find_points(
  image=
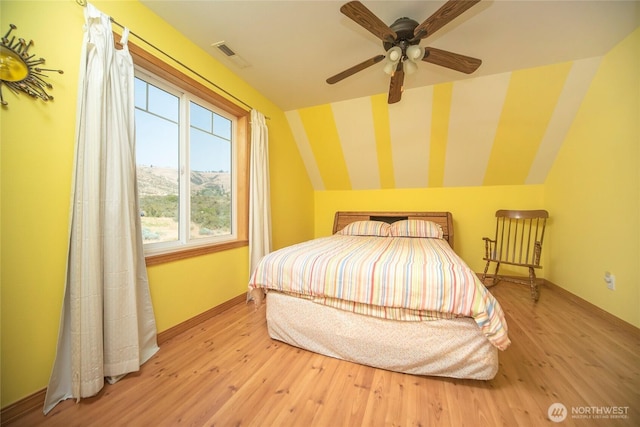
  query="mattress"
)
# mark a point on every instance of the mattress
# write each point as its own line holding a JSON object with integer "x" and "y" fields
{"x": 445, "y": 347}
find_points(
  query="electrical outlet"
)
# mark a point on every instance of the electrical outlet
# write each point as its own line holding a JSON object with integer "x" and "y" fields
{"x": 610, "y": 280}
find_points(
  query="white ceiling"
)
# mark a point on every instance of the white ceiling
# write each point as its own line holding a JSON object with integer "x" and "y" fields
{"x": 293, "y": 46}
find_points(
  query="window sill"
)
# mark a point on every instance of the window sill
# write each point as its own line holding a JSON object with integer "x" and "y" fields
{"x": 193, "y": 252}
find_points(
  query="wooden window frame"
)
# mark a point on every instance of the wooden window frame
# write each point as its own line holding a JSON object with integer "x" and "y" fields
{"x": 150, "y": 63}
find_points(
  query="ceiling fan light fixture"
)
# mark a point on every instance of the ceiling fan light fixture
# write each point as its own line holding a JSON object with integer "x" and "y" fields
{"x": 415, "y": 52}
{"x": 409, "y": 67}
{"x": 394, "y": 54}
{"x": 389, "y": 67}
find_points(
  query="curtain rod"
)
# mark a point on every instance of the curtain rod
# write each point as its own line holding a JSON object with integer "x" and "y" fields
{"x": 83, "y": 3}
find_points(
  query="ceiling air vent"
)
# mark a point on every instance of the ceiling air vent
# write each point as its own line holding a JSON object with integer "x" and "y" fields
{"x": 231, "y": 55}
{"x": 225, "y": 49}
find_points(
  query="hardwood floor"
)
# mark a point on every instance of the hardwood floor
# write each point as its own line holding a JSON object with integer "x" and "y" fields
{"x": 228, "y": 372}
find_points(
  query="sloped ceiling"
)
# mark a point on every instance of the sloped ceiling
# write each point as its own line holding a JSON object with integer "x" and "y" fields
{"x": 292, "y": 47}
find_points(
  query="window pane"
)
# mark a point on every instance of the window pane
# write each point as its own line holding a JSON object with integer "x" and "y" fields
{"x": 222, "y": 127}
{"x": 157, "y": 154}
{"x": 210, "y": 165}
{"x": 163, "y": 104}
{"x": 201, "y": 118}
{"x": 140, "y": 93}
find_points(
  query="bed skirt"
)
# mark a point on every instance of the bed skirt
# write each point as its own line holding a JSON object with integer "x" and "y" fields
{"x": 453, "y": 348}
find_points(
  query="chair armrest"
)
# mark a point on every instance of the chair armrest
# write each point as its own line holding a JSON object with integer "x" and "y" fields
{"x": 489, "y": 248}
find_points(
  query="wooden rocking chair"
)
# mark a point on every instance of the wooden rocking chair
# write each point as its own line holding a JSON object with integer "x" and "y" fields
{"x": 518, "y": 241}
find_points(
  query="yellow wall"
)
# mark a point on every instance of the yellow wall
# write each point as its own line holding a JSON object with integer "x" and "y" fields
{"x": 593, "y": 190}
{"x": 36, "y": 168}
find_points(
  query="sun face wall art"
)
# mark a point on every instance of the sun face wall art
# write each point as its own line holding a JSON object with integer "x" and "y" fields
{"x": 19, "y": 70}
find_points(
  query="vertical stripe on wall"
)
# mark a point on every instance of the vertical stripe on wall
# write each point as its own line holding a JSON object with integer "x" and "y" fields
{"x": 354, "y": 123}
{"x": 475, "y": 109}
{"x": 528, "y": 107}
{"x": 573, "y": 92}
{"x": 410, "y": 129}
{"x": 320, "y": 128}
{"x": 300, "y": 136}
{"x": 382, "y": 130}
{"x": 439, "y": 133}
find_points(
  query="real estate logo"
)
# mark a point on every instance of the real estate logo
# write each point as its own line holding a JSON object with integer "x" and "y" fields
{"x": 557, "y": 412}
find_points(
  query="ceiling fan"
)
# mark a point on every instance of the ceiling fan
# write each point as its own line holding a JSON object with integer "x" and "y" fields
{"x": 401, "y": 42}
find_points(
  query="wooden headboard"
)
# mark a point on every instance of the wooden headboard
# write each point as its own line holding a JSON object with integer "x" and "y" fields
{"x": 342, "y": 219}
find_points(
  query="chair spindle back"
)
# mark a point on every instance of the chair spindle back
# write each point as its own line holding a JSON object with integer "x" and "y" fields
{"x": 519, "y": 236}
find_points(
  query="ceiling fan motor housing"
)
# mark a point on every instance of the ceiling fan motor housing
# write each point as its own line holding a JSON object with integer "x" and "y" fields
{"x": 403, "y": 27}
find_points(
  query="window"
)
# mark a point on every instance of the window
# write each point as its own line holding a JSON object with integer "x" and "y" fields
{"x": 191, "y": 155}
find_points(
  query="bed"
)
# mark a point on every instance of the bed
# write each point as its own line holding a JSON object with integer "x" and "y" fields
{"x": 385, "y": 290}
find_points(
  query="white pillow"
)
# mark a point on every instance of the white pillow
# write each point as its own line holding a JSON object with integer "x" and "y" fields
{"x": 416, "y": 228}
{"x": 366, "y": 228}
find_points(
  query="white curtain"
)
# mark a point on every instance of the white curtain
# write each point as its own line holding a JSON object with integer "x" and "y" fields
{"x": 107, "y": 326}
{"x": 259, "y": 199}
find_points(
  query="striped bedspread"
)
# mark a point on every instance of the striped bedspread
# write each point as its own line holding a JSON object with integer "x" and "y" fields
{"x": 391, "y": 277}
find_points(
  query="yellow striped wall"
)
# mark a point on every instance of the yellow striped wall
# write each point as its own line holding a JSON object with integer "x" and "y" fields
{"x": 503, "y": 129}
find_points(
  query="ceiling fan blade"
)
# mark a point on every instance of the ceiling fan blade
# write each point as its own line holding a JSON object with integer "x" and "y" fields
{"x": 367, "y": 20}
{"x": 395, "y": 87}
{"x": 351, "y": 71}
{"x": 454, "y": 61}
{"x": 447, "y": 13}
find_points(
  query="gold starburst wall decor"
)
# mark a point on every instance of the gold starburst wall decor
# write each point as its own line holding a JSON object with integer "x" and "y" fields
{"x": 20, "y": 71}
